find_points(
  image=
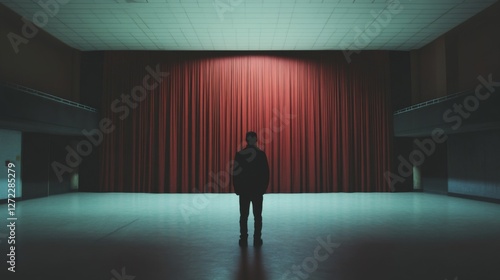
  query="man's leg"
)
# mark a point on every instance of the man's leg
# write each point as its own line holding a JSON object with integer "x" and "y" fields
{"x": 257, "y": 215}
{"x": 244, "y": 210}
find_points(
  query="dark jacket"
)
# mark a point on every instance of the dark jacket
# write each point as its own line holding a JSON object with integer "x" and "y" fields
{"x": 250, "y": 172}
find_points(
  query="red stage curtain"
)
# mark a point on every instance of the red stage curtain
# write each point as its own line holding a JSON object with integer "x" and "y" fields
{"x": 325, "y": 124}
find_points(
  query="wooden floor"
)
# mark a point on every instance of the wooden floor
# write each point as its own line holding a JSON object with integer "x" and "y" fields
{"x": 306, "y": 236}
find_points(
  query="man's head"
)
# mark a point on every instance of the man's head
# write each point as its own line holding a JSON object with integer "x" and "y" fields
{"x": 251, "y": 138}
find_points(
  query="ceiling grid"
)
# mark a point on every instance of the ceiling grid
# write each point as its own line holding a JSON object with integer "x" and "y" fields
{"x": 251, "y": 24}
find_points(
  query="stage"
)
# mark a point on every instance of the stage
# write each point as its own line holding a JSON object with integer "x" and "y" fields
{"x": 306, "y": 236}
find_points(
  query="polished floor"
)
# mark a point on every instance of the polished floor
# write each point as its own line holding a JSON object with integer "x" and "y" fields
{"x": 129, "y": 236}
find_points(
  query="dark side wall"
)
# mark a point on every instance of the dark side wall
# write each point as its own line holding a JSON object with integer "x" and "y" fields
{"x": 400, "y": 65}
{"x": 39, "y": 151}
{"x": 452, "y": 63}
{"x": 91, "y": 90}
{"x": 429, "y": 71}
{"x": 46, "y": 64}
{"x": 474, "y": 164}
{"x": 43, "y": 62}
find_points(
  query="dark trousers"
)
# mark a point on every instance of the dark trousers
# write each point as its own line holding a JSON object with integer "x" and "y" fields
{"x": 256, "y": 201}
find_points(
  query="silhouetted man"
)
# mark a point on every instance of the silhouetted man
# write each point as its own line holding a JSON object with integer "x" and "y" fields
{"x": 250, "y": 180}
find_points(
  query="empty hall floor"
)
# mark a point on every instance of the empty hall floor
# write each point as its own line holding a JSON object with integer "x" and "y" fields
{"x": 137, "y": 236}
